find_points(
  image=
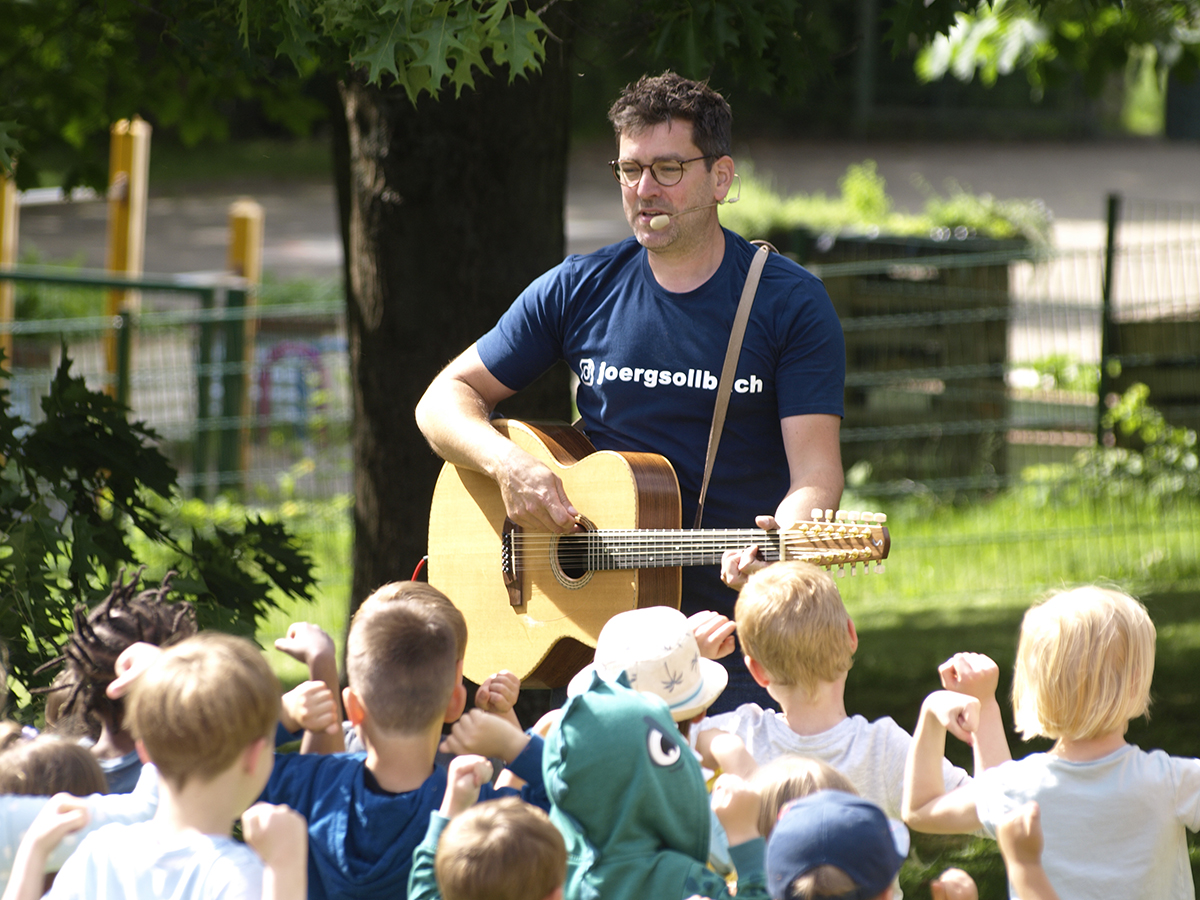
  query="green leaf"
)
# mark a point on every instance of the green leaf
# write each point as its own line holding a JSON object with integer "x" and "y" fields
{"x": 519, "y": 44}
{"x": 439, "y": 41}
{"x": 379, "y": 55}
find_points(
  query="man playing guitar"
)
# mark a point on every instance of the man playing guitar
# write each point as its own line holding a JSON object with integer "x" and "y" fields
{"x": 644, "y": 324}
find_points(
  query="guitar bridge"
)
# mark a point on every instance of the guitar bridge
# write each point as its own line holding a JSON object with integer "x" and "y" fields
{"x": 509, "y": 566}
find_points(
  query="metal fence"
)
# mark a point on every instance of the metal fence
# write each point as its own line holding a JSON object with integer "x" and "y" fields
{"x": 977, "y": 380}
{"x": 250, "y": 399}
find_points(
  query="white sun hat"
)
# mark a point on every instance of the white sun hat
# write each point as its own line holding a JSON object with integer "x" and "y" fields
{"x": 657, "y": 651}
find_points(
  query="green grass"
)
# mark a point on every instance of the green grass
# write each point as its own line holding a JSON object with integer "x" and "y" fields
{"x": 323, "y": 527}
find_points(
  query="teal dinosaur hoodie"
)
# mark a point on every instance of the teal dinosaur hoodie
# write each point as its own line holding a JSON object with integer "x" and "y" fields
{"x": 628, "y": 796}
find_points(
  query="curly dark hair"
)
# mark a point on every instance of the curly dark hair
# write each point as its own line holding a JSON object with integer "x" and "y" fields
{"x": 90, "y": 653}
{"x": 652, "y": 100}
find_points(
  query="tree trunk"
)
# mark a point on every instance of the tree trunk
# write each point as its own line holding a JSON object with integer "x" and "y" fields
{"x": 449, "y": 209}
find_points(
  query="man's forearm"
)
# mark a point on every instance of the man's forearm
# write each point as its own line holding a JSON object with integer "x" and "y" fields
{"x": 822, "y": 489}
{"x": 455, "y": 420}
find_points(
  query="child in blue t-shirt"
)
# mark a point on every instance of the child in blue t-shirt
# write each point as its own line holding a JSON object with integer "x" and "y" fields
{"x": 368, "y": 812}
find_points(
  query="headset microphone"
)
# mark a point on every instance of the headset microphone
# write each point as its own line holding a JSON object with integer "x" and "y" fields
{"x": 662, "y": 220}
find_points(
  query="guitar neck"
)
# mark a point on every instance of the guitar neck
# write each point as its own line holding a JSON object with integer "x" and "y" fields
{"x": 821, "y": 543}
{"x": 655, "y": 548}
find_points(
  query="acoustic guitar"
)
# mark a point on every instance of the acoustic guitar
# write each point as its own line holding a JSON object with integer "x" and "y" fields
{"x": 535, "y": 601}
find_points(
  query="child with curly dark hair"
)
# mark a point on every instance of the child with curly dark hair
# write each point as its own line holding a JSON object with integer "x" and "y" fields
{"x": 126, "y": 616}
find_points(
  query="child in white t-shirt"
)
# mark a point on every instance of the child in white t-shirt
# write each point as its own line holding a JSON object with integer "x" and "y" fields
{"x": 204, "y": 711}
{"x": 1114, "y": 815}
{"x": 799, "y": 644}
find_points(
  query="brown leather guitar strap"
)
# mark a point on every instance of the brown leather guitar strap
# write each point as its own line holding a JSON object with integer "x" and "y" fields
{"x": 725, "y": 386}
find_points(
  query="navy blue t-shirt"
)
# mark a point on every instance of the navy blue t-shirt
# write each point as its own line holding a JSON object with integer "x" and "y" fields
{"x": 649, "y": 360}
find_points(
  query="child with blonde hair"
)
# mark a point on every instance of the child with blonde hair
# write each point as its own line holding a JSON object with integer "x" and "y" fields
{"x": 789, "y": 778}
{"x": 799, "y": 644}
{"x": 1114, "y": 815}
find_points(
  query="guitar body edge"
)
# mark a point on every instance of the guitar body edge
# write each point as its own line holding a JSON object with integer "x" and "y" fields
{"x": 553, "y": 634}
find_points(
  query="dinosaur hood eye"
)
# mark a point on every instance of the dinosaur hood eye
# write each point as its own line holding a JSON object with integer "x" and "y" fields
{"x": 664, "y": 749}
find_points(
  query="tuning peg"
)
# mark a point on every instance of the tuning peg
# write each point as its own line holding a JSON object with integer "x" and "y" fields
{"x": 880, "y": 518}
{"x": 841, "y": 572}
{"x": 829, "y": 515}
{"x": 816, "y": 515}
{"x": 853, "y": 570}
{"x": 853, "y": 515}
{"x": 841, "y": 515}
{"x": 878, "y": 568}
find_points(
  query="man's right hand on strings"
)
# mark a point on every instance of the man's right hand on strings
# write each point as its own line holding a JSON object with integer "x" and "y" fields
{"x": 534, "y": 496}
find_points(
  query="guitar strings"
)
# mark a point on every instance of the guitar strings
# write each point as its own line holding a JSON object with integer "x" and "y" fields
{"x": 626, "y": 548}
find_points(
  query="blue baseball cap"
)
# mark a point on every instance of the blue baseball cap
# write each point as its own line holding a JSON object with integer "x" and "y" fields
{"x": 833, "y": 828}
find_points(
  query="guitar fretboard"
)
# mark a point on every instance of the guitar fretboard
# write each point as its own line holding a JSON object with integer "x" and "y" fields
{"x": 649, "y": 549}
{"x": 824, "y": 543}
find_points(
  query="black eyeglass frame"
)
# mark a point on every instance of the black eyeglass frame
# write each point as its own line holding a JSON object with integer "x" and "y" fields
{"x": 643, "y": 167}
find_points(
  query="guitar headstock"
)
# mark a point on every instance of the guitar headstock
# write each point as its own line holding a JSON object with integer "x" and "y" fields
{"x": 846, "y": 538}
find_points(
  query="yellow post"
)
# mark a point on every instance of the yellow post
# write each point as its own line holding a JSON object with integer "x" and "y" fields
{"x": 245, "y": 260}
{"x": 8, "y": 258}
{"x": 246, "y": 240}
{"x": 128, "y": 186}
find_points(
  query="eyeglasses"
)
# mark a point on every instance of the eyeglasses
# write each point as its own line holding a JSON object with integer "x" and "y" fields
{"x": 666, "y": 172}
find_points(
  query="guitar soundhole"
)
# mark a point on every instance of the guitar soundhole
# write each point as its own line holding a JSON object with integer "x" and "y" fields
{"x": 571, "y": 556}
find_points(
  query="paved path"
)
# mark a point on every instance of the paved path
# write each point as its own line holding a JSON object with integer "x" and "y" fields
{"x": 188, "y": 233}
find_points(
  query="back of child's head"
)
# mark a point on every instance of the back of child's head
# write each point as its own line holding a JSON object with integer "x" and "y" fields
{"x": 501, "y": 849}
{"x": 402, "y": 657}
{"x": 423, "y": 592}
{"x": 791, "y": 620}
{"x": 1085, "y": 660}
{"x": 48, "y": 764}
{"x": 124, "y": 617}
{"x": 833, "y": 844}
{"x": 790, "y": 777}
{"x": 201, "y": 704}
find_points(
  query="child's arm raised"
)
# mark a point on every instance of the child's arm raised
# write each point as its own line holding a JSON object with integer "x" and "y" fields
{"x": 61, "y": 815}
{"x": 133, "y": 661}
{"x": 482, "y": 733}
{"x": 978, "y": 676}
{"x": 310, "y": 706}
{"x": 736, "y": 805}
{"x": 1021, "y": 841}
{"x": 279, "y": 835}
{"x": 714, "y": 633}
{"x": 498, "y": 695}
{"x": 309, "y": 644}
{"x": 464, "y": 777}
{"x": 926, "y": 805}
{"x": 720, "y": 750}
